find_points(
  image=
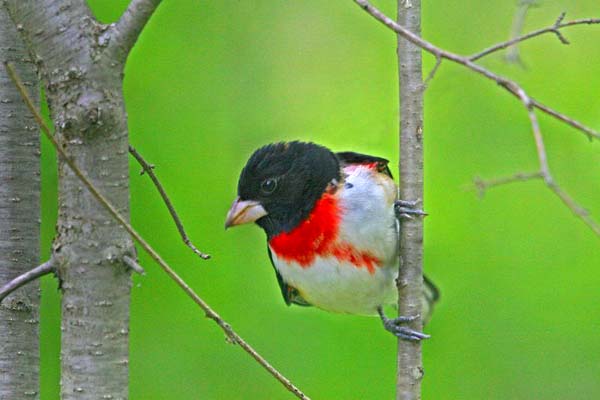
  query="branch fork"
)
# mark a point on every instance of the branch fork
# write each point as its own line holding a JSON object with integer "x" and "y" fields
{"x": 515, "y": 89}
{"x": 557, "y": 26}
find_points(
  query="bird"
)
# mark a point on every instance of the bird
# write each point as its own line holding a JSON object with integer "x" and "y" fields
{"x": 332, "y": 223}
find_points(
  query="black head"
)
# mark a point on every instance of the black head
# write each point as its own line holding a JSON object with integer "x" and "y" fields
{"x": 280, "y": 184}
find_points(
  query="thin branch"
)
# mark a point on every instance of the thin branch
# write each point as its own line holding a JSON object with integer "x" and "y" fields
{"x": 129, "y": 27}
{"x": 27, "y": 277}
{"x": 482, "y": 185}
{"x": 149, "y": 169}
{"x": 511, "y": 86}
{"x": 208, "y": 311}
{"x": 544, "y": 172}
{"x": 577, "y": 210}
{"x": 537, "y": 134}
{"x": 591, "y": 134}
{"x": 131, "y": 263}
{"x": 551, "y": 29}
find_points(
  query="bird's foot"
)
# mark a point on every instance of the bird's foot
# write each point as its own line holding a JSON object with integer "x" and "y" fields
{"x": 406, "y": 209}
{"x": 395, "y": 327}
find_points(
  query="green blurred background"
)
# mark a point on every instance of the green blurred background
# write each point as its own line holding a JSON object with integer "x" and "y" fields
{"x": 210, "y": 81}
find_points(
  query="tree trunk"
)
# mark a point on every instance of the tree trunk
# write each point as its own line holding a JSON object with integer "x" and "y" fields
{"x": 82, "y": 74}
{"x": 19, "y": 222}
{"x": 410, "y": 279}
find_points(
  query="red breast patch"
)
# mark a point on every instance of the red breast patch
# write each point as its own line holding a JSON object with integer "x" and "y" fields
{"x": 317, "y": 236}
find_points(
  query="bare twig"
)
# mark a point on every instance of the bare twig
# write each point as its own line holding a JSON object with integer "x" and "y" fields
{"x": 551, "y": 29}
{"x": 579, "y": 211}
{"x": 127, "y": 29}
{"x": 482, "y": 185}
{"x": 511, "y": 86}
{"x": 208, "y": 311}
{"x": 544, "y": 172}
{"x": 27, "y": 277}
{"x": 149, "y": 169}
{"x": 591, "y": 134}
{"x": 133, "y": 264}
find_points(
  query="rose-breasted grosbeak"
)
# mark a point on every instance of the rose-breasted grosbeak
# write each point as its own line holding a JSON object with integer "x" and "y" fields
{"x": 332, "y": 228}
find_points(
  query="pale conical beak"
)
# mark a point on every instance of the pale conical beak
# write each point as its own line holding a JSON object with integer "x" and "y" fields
{"x": 243, "y": 212}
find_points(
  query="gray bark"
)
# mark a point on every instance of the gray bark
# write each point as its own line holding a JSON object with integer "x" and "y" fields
{"x": 19, "y": 222}
{"x": 82, "y": 73}
{"x": 410, "y": 279}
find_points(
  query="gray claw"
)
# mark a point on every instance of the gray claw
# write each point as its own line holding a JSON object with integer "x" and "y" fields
{"x": 408, "y": 203}
{"x": 395, "y": 327}
{"x": 405, "y": 333}
{"x": 406, "y": 209}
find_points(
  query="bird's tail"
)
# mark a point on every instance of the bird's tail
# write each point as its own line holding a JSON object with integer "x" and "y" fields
{"x": 431, "y": 295}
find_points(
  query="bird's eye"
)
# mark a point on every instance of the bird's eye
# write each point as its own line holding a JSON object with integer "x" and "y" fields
{"x": 268, "y": 186}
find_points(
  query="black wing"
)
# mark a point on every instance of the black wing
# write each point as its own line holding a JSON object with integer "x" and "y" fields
{"x": 433, "y": 293}
{"x": 350, "y": 157}
{"x": 290, "y": 294}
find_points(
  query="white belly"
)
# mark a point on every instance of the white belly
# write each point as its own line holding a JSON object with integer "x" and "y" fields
{"x": 341, "y": 286}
